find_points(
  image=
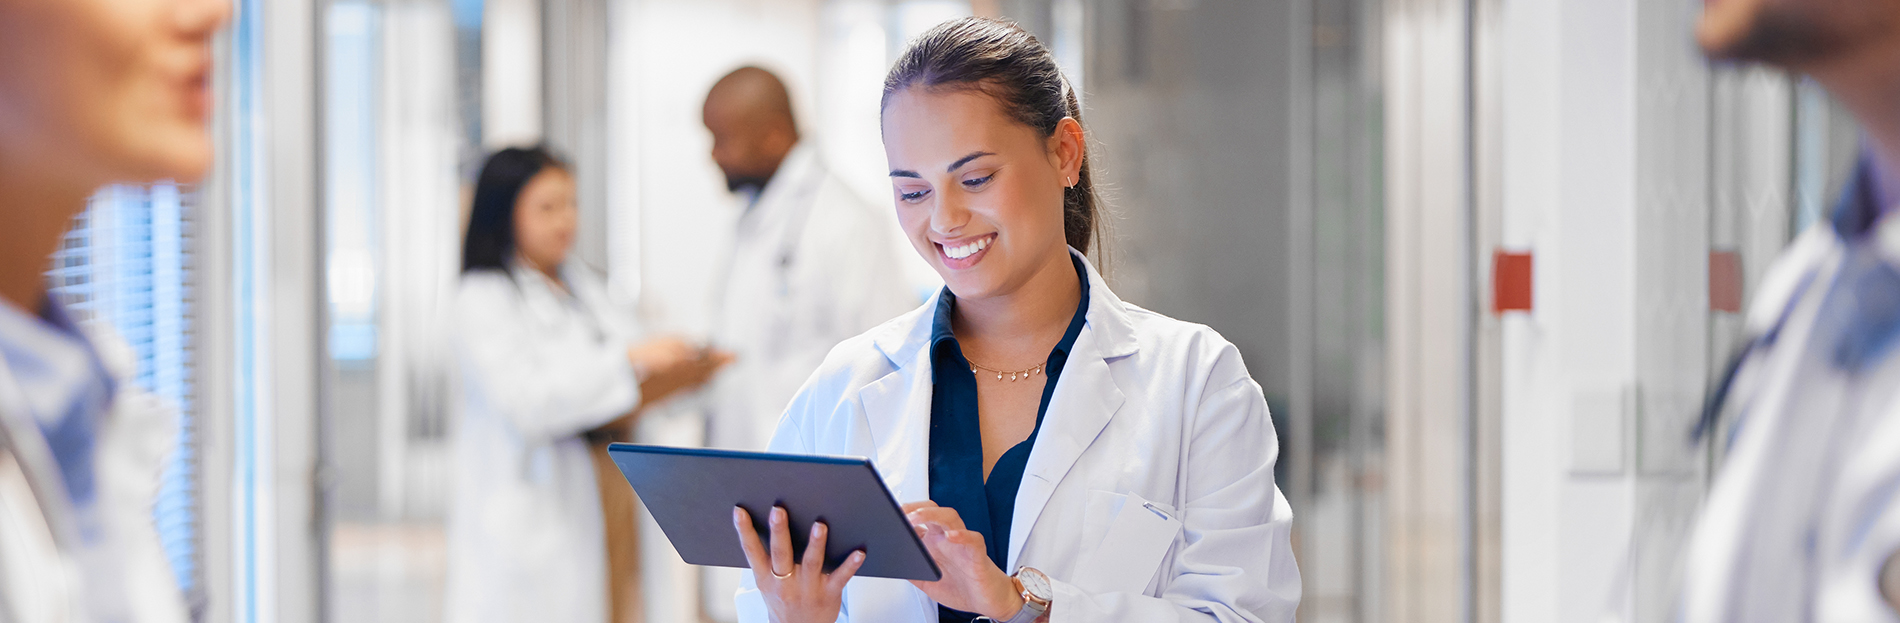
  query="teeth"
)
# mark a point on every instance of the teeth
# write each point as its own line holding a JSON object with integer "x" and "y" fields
{"x": 957, "y": 253}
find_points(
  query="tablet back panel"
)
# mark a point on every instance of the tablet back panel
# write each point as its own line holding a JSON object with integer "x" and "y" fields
{"x": 691, "y": 491}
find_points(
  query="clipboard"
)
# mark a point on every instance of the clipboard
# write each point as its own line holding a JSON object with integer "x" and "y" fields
{"x": 691, "y": 491}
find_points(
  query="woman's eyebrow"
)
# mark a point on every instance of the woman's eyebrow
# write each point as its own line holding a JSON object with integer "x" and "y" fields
{"x": 966, "y": 160}
{"x": 952, "y": 169}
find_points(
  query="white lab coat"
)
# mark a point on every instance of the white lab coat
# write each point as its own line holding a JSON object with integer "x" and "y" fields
{"x": 812, "y": 264}
{"x": 1806, "y": 506}
{"x": 1148, "y": 410}
{"x": 48, "y": 571}
{"x": 526, "y": 540}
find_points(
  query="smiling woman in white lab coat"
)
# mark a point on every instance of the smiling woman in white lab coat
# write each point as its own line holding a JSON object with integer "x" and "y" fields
{"x": 546, "y": 359}
{"x": 1066, "y": 456}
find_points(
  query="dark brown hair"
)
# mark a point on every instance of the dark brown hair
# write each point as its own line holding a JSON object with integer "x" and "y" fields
{"x": 491, "y": 220}
{"x": 1004, "y": 61}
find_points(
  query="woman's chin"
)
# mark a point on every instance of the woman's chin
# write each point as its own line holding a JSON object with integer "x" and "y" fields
{"x": 970, "y": 287}
{"x": 181, "y": 155}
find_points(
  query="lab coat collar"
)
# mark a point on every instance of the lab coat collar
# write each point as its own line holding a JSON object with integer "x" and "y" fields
{"x": 525, "y": 275}
{"x": 522, "y": 273}
{"x": 1086, "y": 398}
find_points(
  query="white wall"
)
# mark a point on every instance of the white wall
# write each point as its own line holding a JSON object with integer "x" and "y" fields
{"x": 511, "y": 73}
{"x": 1569, "y": 167}
{"x": 1606, "y": 178}
{"x": 671, "y": 212}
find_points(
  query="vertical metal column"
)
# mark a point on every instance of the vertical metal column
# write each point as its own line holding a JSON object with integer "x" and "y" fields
{"x": 1430, "y": 304}
{"x": 574, "y": 110}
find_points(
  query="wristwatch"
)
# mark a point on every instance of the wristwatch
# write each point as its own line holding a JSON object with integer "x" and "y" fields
{"x": 1036, "y": 595}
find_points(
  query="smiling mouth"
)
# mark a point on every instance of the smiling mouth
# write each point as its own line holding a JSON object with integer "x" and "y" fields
{"x": 966, "y": 250}
{"x": 196, "y": 89}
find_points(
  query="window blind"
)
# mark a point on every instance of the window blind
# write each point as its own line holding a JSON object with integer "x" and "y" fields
{"x": 126, "y": 262}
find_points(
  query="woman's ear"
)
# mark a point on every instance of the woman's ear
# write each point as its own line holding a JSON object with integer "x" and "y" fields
{"x": 1069, "y": 146}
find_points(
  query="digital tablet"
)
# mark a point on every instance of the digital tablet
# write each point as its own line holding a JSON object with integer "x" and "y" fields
{"x": 691, "y": 491}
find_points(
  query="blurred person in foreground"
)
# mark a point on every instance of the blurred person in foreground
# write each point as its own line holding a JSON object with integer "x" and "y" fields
{"x": 547, "y": 359}
{"x": 1803, "y": 522}
{"x": 812, "y": 263}
{"x": 92, "y": 92}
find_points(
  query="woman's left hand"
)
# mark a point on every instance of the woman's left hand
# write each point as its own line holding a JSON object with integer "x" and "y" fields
{"x": 971, "y": 582}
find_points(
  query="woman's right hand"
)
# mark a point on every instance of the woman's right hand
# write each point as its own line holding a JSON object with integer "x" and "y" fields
{"x": 671, "y": 365}
{"x": 803, "y": 593}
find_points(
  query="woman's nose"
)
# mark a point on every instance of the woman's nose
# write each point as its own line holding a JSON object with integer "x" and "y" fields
{"x": 948, "y": 216}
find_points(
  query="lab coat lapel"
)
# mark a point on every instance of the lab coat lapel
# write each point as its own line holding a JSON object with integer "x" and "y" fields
{"x": 897, "y": 413}
{"x": 1086, "y": 398}
{"x": 897, "y": 407}
{"x": 893, "y": 406}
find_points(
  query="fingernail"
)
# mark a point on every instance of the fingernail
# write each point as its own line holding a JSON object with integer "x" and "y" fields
{"x": 778, "y": 515}
{"x": 818, "y": 529}
{"x": 738, "y": 514}
{"x": 857, "y": 556}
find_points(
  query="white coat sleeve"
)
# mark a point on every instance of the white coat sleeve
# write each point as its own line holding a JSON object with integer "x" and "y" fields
{"x": 1234, "y": 559}
{"x": 544, "y": 390}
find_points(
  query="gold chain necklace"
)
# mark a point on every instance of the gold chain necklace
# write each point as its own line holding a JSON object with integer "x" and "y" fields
{"x": 1013, "y": 376}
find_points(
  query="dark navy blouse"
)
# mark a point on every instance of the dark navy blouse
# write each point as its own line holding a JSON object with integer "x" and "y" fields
{"x": 956, "y": 439}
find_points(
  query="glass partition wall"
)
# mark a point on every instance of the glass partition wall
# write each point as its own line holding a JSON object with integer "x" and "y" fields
{"x": 391, "y": 149}
{"x": 1242, "y": 143}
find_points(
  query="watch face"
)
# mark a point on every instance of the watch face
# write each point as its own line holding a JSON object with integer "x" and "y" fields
{"x": 1035, "y": 583}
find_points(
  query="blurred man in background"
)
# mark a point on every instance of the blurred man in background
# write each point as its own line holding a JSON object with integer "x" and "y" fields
{"x": 811, "y": 263}
{"x": 1803, "y": 522}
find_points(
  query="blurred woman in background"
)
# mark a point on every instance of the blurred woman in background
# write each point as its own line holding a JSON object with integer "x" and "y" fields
{"x": 547, "y": 358}
{"x": 92, "y": 92}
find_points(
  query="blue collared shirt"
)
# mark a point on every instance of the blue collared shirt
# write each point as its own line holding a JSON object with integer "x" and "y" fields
{"x": 956, "y": 437}
{"x": 1865, "y": 296}
{"x": 64, "y": 386}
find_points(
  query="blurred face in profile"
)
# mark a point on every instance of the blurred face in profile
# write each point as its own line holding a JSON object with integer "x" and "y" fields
{"x": 100, "y": 91}
{"x": 747, "y": 145}
{"x": 978, "y": 193}
{"x": 545, "y": 218}
{"x": 1795, "y": 34}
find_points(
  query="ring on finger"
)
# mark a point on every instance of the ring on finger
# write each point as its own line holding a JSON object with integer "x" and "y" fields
{"x": 786, "y": 575}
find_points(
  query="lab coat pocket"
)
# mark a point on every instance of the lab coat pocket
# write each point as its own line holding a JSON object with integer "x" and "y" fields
{"x": 1130, "y": 550}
